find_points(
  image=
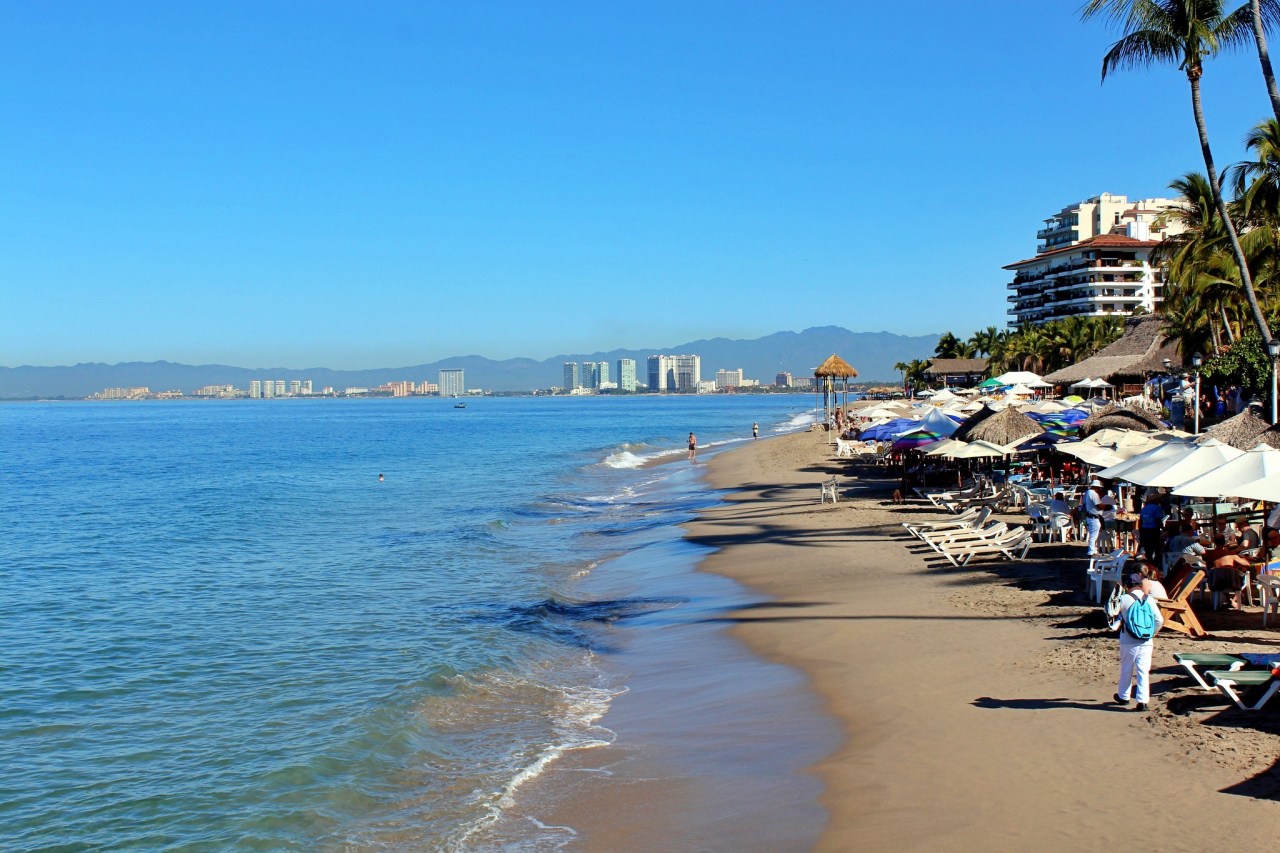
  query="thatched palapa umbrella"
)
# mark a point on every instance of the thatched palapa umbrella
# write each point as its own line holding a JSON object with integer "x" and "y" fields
{"x": 825, "y": 376}
{"x": 1112, "y": 416}
{"x": 1243, "y": 432}
{"x": 1004, "y": 427}
{"x": 962, "y": 432}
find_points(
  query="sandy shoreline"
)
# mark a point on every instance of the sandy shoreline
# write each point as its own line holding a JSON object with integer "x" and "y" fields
{"x": 975, "y": 701}
{"x": 973, "y": 704}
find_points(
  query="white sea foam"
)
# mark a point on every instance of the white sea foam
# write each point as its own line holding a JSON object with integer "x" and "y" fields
{"x": 574, "y": 721}
{"x": 799, "y": 421}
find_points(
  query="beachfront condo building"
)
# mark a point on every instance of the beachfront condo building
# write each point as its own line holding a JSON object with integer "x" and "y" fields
{"x": 674, "y": 373}
{"x": 627, "y": 374}
{"x": 783, "y": 380}
{"x": 1093, "y": 259}
{"x": 595, "y": 374}
{"x": 452, "y": 383}
{"x": 572, "y": 375}
{"x": 726, "y": 379}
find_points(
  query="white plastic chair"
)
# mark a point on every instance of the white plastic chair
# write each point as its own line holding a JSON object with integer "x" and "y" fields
{"x": 830, "y": 489}
{"x": 1105, "y": 570}
{"x": 1269, "y": 586}
{"x": 1061, "y": 523}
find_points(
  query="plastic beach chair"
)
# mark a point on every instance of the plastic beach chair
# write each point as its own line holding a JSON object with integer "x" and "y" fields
{"x": 830, "y": 489}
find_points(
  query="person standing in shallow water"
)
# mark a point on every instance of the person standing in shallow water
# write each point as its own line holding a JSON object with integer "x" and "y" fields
{"x": 693, "y": 448}
{"x": 755, "y": 430}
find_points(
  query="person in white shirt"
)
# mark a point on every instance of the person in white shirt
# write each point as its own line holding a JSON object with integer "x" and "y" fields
{"x": 1135, "y": 654}
{"x": 1092, "y": 505}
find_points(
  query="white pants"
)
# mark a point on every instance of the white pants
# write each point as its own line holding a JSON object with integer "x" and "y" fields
{"x": 1092, "y": 527}
{"x": 1135, "y": 660}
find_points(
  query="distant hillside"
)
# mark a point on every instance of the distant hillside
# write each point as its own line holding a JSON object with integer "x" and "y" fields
{"x": 872, "y": 353}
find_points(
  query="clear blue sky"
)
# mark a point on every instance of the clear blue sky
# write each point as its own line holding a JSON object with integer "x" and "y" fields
{"x": 358, "y": 185}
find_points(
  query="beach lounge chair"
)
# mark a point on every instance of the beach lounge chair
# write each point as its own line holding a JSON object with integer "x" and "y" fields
{"x": 936, "y": 539}
{"x": 1193, "y": 663}
{"x": 978, "y": 488}
{"x": 1012, "y": 543}
{"x": 970, "y": 519}
{"x": 1228, "y": 682}
{"x": 844, "y": 448}
{"x": 1176, "y": 610}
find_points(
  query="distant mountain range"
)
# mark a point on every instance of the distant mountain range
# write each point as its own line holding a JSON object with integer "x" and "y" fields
{"x": 872, "y": 353}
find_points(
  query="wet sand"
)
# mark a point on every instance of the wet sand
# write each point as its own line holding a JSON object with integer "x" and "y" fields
{"x": 974, "y": 704}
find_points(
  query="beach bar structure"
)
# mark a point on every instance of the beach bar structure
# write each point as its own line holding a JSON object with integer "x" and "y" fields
{"x": 957, "y": 372}
{"x": 825, "y": 377}
{"x": 1139, "y": 353}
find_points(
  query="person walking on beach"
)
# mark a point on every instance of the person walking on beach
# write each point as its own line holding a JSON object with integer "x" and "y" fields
{"x": 693, "y": 448}
{"x": 1137, "y": 638}
{"x": 755, "y": 430}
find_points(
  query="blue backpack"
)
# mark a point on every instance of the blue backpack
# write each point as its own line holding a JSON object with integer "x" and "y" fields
{"x": 1139, "y": 621}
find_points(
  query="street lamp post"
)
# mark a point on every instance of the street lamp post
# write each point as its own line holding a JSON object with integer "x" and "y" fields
{"x": 1273, "y": 350}
{"x": 1196, "y": 361}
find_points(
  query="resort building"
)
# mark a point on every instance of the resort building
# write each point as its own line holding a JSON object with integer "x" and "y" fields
{"x": 1093, "y": 259}
{"x": 255, "y": 389}
{"x": 451, "y": 383}
{"x": 783, "y": 380}
{"x": 626, "y": 374}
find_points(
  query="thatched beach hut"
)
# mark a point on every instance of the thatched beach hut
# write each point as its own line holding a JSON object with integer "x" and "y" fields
{"x": 1112, "y": 416}
{"x": 1128, "y": 361}
{"x": 970, "y": 423}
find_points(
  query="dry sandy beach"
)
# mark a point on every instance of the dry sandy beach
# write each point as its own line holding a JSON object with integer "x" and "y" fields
{"x": 974, "y": 704}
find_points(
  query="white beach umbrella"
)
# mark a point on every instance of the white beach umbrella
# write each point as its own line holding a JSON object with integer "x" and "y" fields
{"x": 976, "y": 450}
{"x": 1254, "y": 475}
{"x": 1022, "y": 377}
{"x": 941, "y": 447}
{"x": 1169, "y": 450}
{"x": 1174, "y": 471}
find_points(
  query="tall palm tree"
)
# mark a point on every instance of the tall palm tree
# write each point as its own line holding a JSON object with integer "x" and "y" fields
{"x": 1186, "y": 32}
{"x": 1203, "y": 277}
{"x": 949, "y": 346}
{"x": 1263, "y": 13}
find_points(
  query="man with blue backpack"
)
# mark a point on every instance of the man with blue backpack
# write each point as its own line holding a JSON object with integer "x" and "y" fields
{"x": 1138, "y": 621}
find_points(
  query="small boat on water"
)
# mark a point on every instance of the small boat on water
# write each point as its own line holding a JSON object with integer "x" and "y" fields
{"x": 459, "y": 405}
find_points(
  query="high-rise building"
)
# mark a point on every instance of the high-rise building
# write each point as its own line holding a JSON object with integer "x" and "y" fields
{"x": 306, "y": 387}
{"x": 688, "y": 372}
{"x": 1095, "y": 261}
{"x": 572, "y": 375}
{"x": 280, "y": 388}
{"x": 675, "y": 372}
{"x": 783, "y": 380}
{"x": 452, "y": 383}
{"x": 661, "y": 374}
{"x": 255, "y": 389}
{"x": 295, "y": 387}
{"x": 599, "y": 373}
{"x": 726, "y": 379}
{"x": 626, "y": 374}
{"x": 268, "y": 388}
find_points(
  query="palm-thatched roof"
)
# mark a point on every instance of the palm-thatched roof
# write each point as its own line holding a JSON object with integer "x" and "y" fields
{"x": 1003, "y": 427}
{"x": 1112, "y": 416}
{"x": 1270, "y": 436}
{"x": 837, "y": 367}
{"x": 1142, "y": 349}
{"x": 968, "y": 424}
{"x": 1241, "y": 432}
{"x": 956, "y": 366}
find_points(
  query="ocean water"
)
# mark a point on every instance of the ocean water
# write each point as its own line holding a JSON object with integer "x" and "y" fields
{"x": 219, "y": 630}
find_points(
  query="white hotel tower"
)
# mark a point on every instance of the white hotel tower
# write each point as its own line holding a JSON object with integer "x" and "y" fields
{"x": 1094, "y": 259}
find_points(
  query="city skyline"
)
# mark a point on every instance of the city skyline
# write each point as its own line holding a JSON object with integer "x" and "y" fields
{"x": 401, "y": 184}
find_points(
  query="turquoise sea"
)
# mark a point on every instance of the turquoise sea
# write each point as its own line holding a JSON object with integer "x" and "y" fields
{"x": 219, "y": 630}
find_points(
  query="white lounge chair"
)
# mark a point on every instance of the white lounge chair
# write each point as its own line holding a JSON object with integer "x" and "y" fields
{"x": 971, "y": 519}
{"x": 1012, "y": 544}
